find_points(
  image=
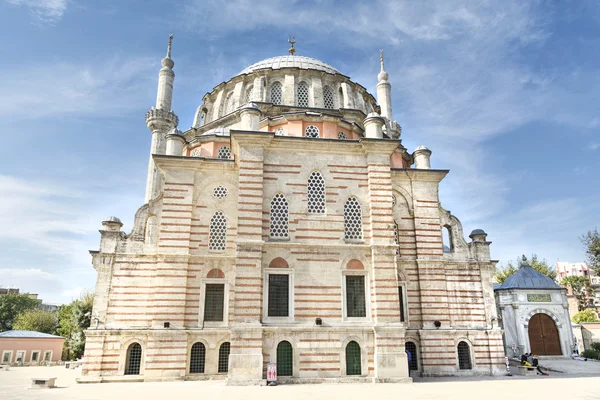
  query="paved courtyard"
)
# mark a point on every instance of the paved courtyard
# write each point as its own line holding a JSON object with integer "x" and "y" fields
{"x": 14, "y": 385}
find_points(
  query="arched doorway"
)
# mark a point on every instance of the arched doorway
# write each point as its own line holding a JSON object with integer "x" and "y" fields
{"x": 284, "y": 359}
{"x": 353, "y": 362}
{"x": 543, "y": 336}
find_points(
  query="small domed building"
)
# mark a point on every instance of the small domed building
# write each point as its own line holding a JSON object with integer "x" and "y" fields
{"x": 289, "y": 226}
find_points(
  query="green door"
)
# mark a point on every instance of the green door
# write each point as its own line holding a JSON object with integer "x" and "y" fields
{"x": 353, "y": 359}
{"x": 284, "y": 359}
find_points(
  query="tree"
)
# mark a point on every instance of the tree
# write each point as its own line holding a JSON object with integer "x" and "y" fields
{"x": 581, "y": 289}
{"x": 11, "y": 305}
{"x": 541, "y": 266}
{"x": 587, "y": 315}
{"x": 73, "y": 320}
{"x": 591, "y": 241}
{"x": 36, "y": 320}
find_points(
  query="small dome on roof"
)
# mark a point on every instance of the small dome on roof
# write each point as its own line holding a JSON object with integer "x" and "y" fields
{"x": 421, "y": 147}
{"x": 175, "y": 131}
{"x": 477, "y": 232}
{"x": 217, "y": 131}
{"x": 113, "y": 219}
{"x": 290, "y": 62}
{"x": 249, "y": 106}
{"x": 528, "y": 278}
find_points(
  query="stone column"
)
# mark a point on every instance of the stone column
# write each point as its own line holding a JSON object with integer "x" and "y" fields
{"x": 289, "y": 90}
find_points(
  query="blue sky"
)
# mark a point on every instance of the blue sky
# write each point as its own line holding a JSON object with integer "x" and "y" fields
{"x": 505, "y": 94}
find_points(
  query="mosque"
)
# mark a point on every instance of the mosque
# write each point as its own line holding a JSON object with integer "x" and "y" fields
{"x": 289, "y": 228}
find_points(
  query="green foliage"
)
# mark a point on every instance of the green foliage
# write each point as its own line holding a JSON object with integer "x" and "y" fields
{"x": 587, "y": 315}
{"x": 541, "y": 266}
{"x": 36, "y": 320}
{"x": 596, "y": 346}
{"x": 581, "y": 289}
{"x": 11, "y": 305}
{"x": 593, "y": 354}
{"x": 591, "y": 241}
{"x": 73, "y": 320}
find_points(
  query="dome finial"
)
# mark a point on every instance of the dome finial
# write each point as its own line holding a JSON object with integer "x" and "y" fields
{"x": 382, "y": 76}
{"x": 381, "y": 58}
{"x": 292, "y": 41}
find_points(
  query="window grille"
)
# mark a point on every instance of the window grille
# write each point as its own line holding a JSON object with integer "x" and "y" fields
{"x": 6, "y": 357}
{"x": 220, "y": 192}
{"x": 278, "y": 296}
{"x": 355, "y": 296}
{"x": 464, "y": 356}
{"x": 302, "y": 95}
{"x": 279, "y": 132}
{"x": 352, "y": 219}
{"x": 48, "y": 355}
{"x": 401, "y": 299}
{"x": 213, "y": 302}
{"x": 224, "y": 357}
{"x": 284, "y": 359}
{"x": 249, "y": 93}
{"x": 328, "y": 97}
{"x": 279, "y": 217}
{"x": 197, "y": 358}
{"x": 134, "y": 359}
{"x": 229, "y": 103}
{"x": 196, "y": 153}
{"x": 224, "y": 153}
{"x": 413, "y": 364}
{"x": 353, "y": 366}
{"x": 316, "y": 193}
{"x": 34, "y": 356}
{"x": 218, "y": 232}
{"x": 312, "y": 131}
{"x": 342, "y": 136}
{"x": 276, "y": 93}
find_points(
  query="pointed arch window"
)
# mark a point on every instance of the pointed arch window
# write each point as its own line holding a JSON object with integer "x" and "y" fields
{"x": 328, "y": 97}
{"x": 302, "y": 95}
{"x": 316, "y": 193}
{"x": 134, "y": 359}
{"x": 197, "y": 358}
{"x": 276, "y": 93}
{"x": 224, "y": 153}
{"x": 218, "y": 232}
{"x": 279, "y": 217}
{"x": 352, "y": 219}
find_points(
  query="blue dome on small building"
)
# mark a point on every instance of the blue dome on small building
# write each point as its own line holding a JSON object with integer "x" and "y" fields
{"x": 528, "y": 278}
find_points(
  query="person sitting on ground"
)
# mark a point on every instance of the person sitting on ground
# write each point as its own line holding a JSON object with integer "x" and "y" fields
{"x": 535, "y": 363}
{"x": 524, "y": 361}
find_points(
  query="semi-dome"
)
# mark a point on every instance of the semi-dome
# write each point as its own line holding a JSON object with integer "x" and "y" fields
{"x": 290, "y": 62}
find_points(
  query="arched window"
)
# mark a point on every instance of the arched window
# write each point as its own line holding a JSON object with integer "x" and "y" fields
{"x": 197, "y": 358}
{"x": 353, "y": 366}
{"x": 413, "y": 363}
{"x": 218, "y": 232}
{"x": 316, "y": 193}
{"x": 311, "y": 131}
{"x": 464, "y": 356}
{"x": 279, "y": 132}
{"x": 224, "y": 357}
{"x": 229, "y": 103}
{"x": 352, "y": 219}
{"x": 341, "y": 97}
{"x": 134, "y": 359}
{"x": 342, "y": 136}
{"x": 196, "y": 153}
{"x": 276, "y": 94}
{"x": 302, "y": 95}
{"x": 279, "y": 217}
{"x": 328, "y": 97}
{"x": 447, "y": 239}
{"x": 249, "y": 94}
{"x": 224, "y": 153}
{"x": 285, "y": 359}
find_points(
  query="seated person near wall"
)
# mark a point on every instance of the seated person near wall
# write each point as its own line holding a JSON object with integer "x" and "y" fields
{"x": 524, "y": 360}
{"x": 535, "y": 363}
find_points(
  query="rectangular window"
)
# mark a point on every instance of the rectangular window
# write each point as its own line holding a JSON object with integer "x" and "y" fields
{"x": 213, "y": 302}
{"x": 401, "y": 296}
{"x": 279, "y": 296}
{"x": 48, "y": 356}
{"x": 6, "y": 356}
{"x": 355, "y": 296}
{"x": 34, "y": 356}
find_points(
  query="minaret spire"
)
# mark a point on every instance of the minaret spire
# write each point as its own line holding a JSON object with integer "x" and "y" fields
{"x": 381, "y": 59}
{"x": 169, "y": 46}
{"x": 384, "y": 91}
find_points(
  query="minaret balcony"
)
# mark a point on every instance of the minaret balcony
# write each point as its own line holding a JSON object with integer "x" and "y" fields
{"x": 161, "y": 117}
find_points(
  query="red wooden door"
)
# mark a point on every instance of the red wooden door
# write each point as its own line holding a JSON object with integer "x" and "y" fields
{"x": 543, "y": 336}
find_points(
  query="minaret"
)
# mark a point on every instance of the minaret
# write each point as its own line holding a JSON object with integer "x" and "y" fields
{"x": 384, "y": 91}
{"x": 160, "y": 121}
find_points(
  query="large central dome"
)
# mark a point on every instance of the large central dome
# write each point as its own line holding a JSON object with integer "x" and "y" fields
{"x": 290, "y": 62}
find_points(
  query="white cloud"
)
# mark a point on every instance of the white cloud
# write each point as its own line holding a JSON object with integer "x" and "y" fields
{"x": 44, "y": 11}
{"x": 71, "y": 89}
{"x": 594, "y": 146}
